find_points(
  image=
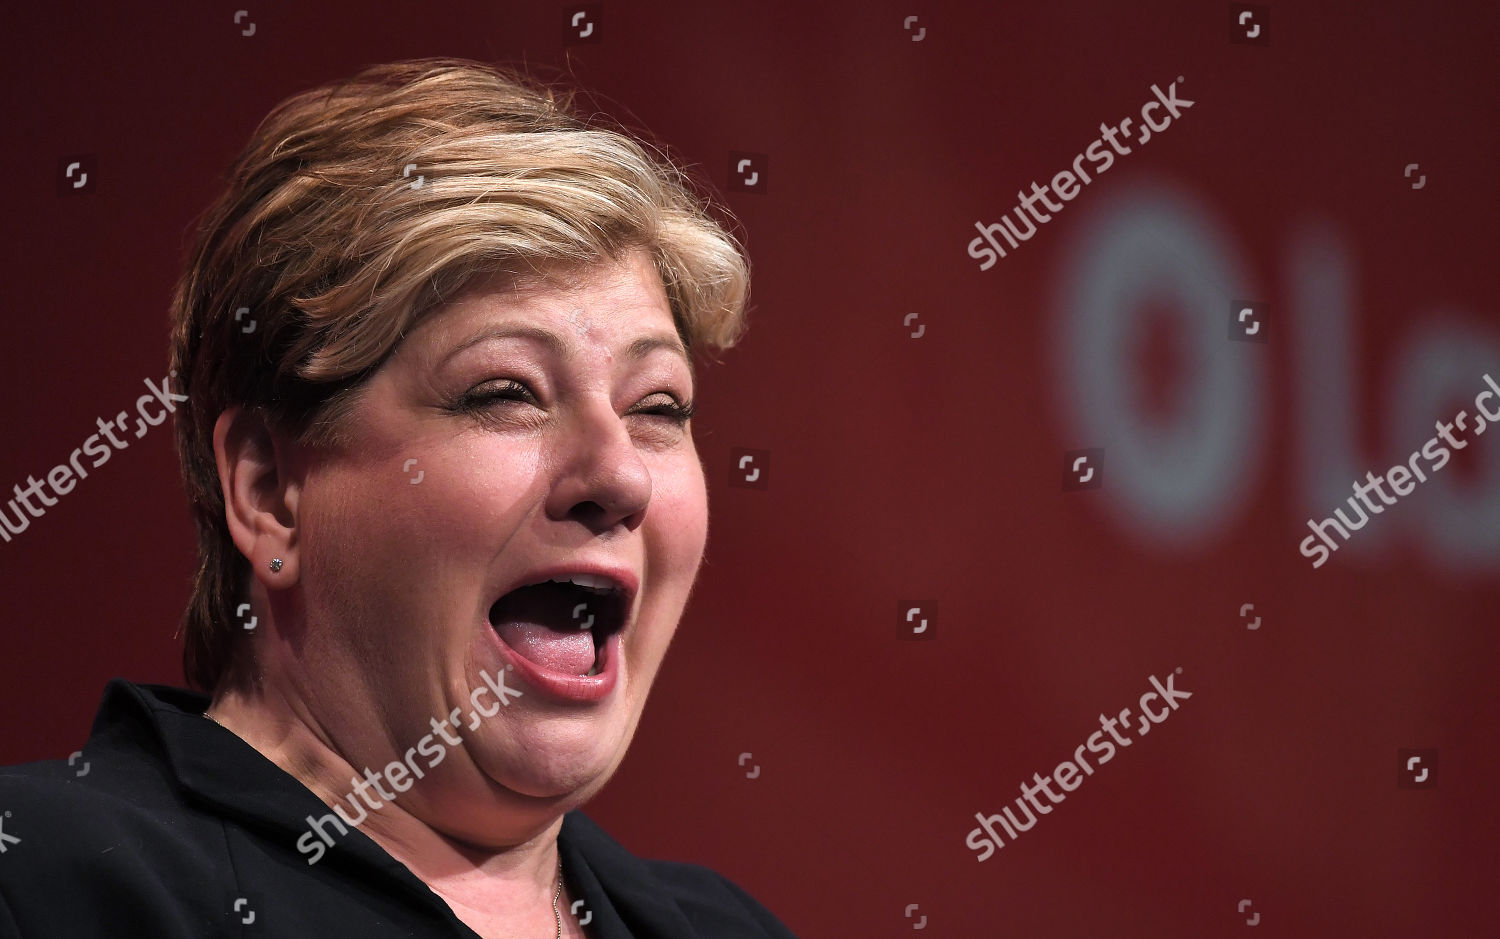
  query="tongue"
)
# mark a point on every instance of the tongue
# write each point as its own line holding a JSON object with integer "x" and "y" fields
{"x": 538, "y": 623}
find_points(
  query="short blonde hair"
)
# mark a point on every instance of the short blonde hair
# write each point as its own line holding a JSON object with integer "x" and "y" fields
{"x": 359, "y": 206}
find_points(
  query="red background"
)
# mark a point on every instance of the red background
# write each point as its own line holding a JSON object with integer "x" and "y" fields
{"x": 923, "y": 468}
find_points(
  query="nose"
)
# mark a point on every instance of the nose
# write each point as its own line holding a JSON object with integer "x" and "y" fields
{"x": 600, "y": 479}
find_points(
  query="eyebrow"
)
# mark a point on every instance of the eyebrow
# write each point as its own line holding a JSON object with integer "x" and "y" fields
{"x": 636, "y": 350}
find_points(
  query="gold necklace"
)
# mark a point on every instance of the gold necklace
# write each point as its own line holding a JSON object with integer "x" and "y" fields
{"x": 556, "y": 914}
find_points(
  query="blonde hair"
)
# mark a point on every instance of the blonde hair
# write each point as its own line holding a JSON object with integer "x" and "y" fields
{"x": 359, "y": 206}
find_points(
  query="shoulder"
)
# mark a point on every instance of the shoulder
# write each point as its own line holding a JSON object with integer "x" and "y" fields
{"x": 80, "y": 840}
{"x": 53, "y": 815}
{"x": 63, "y": 807}
{"x": 111, "y": 790}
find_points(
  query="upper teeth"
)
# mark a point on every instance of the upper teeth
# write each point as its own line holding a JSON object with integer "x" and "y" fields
{"x": 587, "y": 581}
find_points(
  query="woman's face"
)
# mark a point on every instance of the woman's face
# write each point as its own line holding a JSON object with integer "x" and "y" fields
{"x": 476, "y": 463}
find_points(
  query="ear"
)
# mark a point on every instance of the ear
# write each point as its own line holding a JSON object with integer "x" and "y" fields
{"x": 260, "y": 474}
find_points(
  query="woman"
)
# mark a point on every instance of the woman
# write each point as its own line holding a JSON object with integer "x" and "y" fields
{"x": 437, "y": 342}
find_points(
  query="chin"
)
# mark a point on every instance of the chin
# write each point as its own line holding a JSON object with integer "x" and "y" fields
{"x": 550, "y": 764}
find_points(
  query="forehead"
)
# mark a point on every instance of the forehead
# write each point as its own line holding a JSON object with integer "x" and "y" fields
{"x": 630, "y": 277}
{"x": 611, "y": 291}
{"x": 619, "y": 305}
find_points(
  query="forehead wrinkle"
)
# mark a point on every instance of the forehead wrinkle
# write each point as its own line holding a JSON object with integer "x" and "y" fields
{"x": 536, "y": 291}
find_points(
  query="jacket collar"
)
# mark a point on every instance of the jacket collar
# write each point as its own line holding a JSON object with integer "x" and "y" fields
{"x": 218, "y": 769}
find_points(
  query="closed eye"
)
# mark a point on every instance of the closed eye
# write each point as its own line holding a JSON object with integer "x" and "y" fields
{"x": 511, "y": 390}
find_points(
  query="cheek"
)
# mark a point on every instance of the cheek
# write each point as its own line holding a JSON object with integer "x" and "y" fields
{"x": 679, "y": 534}
{"x": 383, "y": 525}
{"x": 452, "y": 489}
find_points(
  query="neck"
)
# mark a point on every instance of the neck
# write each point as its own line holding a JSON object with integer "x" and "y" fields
{"x": 499, "y": 889}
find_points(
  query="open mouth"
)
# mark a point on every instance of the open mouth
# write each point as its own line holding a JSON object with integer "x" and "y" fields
{"x": 561, "y": 623}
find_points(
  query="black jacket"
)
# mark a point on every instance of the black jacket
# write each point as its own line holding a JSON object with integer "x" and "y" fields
{"x": 172, "y": 827}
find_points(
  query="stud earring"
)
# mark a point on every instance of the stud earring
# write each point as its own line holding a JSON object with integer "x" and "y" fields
{"x": 275, "y": 565}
